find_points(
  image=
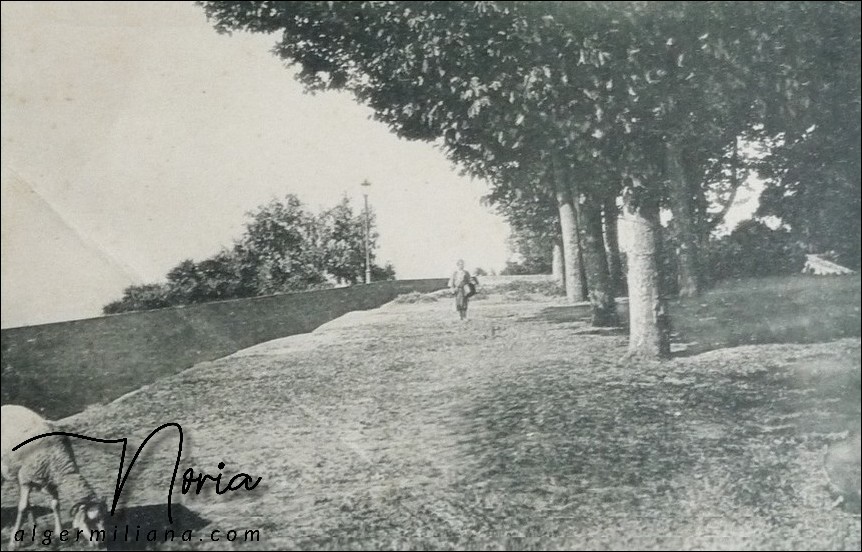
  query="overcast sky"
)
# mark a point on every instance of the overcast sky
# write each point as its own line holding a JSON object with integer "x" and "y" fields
{"x": 134, "y": 136}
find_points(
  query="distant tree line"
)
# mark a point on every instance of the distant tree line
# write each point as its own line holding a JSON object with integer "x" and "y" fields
{"x": 752, "y": 250}
{"x": 284, "y": 248}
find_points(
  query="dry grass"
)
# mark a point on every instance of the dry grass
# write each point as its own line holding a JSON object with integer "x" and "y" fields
{"x": 538, "y": 289}
{"x": 403, "y": 428}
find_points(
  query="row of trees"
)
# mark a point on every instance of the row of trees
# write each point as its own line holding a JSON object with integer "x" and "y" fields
{"x": 284, "y": 248}
{"x": 571, "y": 109}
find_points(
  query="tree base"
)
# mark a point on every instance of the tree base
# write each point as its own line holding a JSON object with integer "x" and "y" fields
{"x": 644, "y": 356}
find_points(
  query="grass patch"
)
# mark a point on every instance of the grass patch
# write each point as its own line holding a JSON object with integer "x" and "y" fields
{"x": 796, "y": 309}
{"x": 514, "y": 290}
{"x": 549, "y": 288}
{"x": 415, "y": 297}
{"x": 520, "y": 290}
{"x": 789, "y": 309}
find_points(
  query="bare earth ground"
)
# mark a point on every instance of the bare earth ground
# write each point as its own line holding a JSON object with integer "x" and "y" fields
{"x": 403, "y": 428}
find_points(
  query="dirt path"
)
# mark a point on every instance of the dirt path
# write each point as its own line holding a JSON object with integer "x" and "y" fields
{"x": 401, "y": 427}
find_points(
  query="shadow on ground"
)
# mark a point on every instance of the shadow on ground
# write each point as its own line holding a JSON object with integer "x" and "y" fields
{"x": 614, "y": 445}
{"x": 748, "y": 312}
{"x": 150, "y": 528}
{"x": 7, "y": 514}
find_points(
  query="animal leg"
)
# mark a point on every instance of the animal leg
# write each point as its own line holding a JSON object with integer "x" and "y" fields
{"x": 23, "y": 505}
{"x": 55, "y": 509}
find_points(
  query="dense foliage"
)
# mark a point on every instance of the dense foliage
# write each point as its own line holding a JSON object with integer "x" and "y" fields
{"x": 284, "y": 248}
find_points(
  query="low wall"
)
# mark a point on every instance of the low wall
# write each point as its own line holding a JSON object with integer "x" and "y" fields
{"x": 58, "y": 369}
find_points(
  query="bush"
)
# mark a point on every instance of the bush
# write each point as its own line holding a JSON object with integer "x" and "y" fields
{"x": 139, "y": 298}
{"x": 754, "y": 250}
{"x": 526, "y": 267}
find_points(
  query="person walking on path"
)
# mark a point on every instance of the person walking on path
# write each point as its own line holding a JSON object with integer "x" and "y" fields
{"x": 461, "y": 285}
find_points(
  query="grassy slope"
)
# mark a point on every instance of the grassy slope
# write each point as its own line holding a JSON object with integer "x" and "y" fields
{"x": 768, "y": 310}
{"x": 771, "y": 310}
{"x": 401, "y": 427}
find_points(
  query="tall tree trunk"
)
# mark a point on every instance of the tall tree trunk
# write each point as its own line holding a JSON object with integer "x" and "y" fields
{"x": 704, "y": 229}
{"x": 585, "y": 290}
{"x": 683, "y": 221}
{"x": 557, "y": 261}
{"x": 601, "y": 293}
{"x": 612, "y": 245}
{"x": 569, "y": 231}
{"x": 649, "y": 322}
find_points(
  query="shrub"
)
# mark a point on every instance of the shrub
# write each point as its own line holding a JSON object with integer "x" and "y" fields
{"x": 139, "y": 298}
{"x": 754, "y": 250}
{"x": 526, "y": 267}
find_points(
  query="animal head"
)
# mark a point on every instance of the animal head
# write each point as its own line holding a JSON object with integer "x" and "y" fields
{"x": 90, "y": 516}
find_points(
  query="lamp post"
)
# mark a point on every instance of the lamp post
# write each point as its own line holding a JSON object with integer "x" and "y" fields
{"x": 365, "y": 184}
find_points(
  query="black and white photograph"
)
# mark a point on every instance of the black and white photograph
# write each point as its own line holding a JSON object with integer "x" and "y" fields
{"x": 395, "y": 275}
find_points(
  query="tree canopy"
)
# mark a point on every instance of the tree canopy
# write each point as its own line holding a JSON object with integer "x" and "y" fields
{"x": 284, "y": 248}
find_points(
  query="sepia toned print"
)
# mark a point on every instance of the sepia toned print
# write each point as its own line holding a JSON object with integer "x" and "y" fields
{"x": 435, "y": 275}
